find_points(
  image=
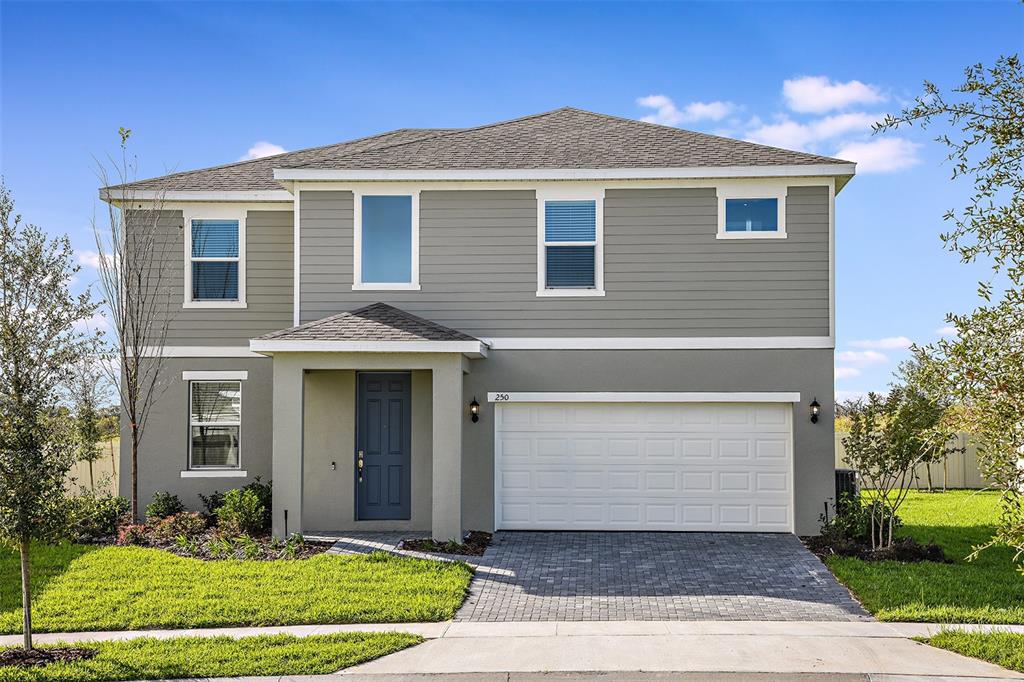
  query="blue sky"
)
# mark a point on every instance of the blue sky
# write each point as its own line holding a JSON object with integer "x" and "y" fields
{"x": 204, "y": 83}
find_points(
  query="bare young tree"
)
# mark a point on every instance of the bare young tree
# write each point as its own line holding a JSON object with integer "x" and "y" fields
{"x": 135, "y": 281}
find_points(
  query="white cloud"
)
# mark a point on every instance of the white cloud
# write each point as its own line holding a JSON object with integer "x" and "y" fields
{"x": 89, "y": 259}
{"x": 948, "y": 330}
{"x": 847, "y": 372}
{"x": 667, "y": 113}
{"x": 261, "y": 149}
{"x": 92, "y": 324}
{"x": 887, "y": 343}
{"x": 883, "y": 155}
{"x": 861, "y": 358}
{"x": 795, "y": 135}
{"x": 818, "y": 94}
{"x": 843, "y": 395}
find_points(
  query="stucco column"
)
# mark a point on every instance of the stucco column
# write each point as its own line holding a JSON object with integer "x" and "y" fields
{"x": 446, "y": 508}
{"x": 287, "y": 452}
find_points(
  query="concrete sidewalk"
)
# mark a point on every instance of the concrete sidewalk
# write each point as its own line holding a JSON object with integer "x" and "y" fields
{"x": 449, "y": 630}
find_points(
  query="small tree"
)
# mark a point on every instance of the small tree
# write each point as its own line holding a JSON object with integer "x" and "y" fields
{"x": 934, "y": 423}
{"x": 39, "y": 345}
{"x": 135, "y": 280}
{"x": 889, "y": 436}
{"x": 982, "y": 368}
{"x": 88, "y": 390}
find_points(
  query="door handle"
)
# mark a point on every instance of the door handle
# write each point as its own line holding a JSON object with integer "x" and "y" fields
{"x": 359, "y": 465}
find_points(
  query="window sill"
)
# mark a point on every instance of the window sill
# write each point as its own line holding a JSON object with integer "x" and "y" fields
{"x": 385, "y": 287}
{"x": 213, "y": 304}
{"x": 214, "y": 473}
{"x": 563, "y": 293}
{"x": 751, "y": 235}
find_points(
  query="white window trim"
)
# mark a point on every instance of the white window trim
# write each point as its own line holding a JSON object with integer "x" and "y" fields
{"x": 357, "y": 247}
{"x": 214, "y": 213}
{"x": 212, "y": 377}
{"x": 571, "y": 194}
{"x": 753, "y": 191}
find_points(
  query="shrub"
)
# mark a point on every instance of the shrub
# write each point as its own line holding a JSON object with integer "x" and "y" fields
{"x": 186, "y": 524}
{"x": 265, "y": 494}
{"x": 242, "y": 513}
{"x": 164, "y": 504}
{"x": 133, "y": 534}
{"x": 94, "y": 517}
{"x": 212, "y": 502}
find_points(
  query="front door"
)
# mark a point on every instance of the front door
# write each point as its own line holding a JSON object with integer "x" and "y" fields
{"x": 383, "y": 445}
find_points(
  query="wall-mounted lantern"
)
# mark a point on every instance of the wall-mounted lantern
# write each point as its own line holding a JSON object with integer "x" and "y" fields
{"x": 474, "y": 410}
{"x": 815, "y": 410}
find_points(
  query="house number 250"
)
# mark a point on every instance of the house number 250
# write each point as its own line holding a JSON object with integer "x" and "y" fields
{"x": 501, "y": 397}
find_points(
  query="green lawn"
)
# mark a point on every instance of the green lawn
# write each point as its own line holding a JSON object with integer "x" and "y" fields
{"x": 1002, "y": 648}
{"x": 152, "y": 659}
{"x": 986, "y": 590}
{"x": 129, "y": 588}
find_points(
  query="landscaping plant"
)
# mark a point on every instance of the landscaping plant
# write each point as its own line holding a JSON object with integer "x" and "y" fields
{"x": 889, "y": 435}
{"x": 164, "y": 504}
{"x": 95, "y": 517}
{"x": 242, "y": 513}
{"x": 982, "y": 367}
{"x": 39, "y": 345}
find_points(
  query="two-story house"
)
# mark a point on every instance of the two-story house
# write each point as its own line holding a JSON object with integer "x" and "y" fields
{"x": 564, "y": 321}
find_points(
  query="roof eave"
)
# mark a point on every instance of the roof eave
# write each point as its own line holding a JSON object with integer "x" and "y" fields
{"x": 471, "y": 349}
{"x": 129, "y": 194}
{"x": 795, "y": 170}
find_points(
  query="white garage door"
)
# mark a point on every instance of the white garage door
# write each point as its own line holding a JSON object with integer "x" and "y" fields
{"x": 644, "y": 466}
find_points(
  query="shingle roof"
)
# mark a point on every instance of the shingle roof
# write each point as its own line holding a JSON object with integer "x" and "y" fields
{"x": 377, "y": 322}
{"x": 565, "y": 138}
{"x": 258, "y": 174}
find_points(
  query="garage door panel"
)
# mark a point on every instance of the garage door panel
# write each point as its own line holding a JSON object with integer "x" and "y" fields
{"x": 624, "y": 466}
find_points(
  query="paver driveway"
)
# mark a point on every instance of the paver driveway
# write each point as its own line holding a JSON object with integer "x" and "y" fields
{"x": 530, "y": 576}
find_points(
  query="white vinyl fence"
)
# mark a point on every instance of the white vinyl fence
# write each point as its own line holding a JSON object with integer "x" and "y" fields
{"x": 959, "y": 470}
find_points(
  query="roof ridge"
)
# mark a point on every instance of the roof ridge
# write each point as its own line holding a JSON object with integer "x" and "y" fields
{"x": 457, "y": 131}
{"x": 273, "y": 156}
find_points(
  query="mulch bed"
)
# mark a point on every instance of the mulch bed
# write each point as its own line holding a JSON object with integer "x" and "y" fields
{"x": 267, "y": 551}
{"x": 474, "y": 544}
{"x": 39, "y": 657}
{"x": 906, "y": 550}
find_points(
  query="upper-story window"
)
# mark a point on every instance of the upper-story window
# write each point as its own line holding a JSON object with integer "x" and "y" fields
{"x": 215, "y": 263}
{"x": 751, "y": 214}
{"x": 570, "y": 254}
{"x": 387, "y": 241}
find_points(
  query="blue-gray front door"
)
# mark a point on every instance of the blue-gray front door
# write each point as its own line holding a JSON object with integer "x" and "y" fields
{"x": 383, "y": 445}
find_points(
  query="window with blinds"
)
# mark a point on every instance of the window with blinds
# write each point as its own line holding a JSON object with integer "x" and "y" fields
{"x": 570, "y": 244}
{"x": 215, "y": 423}
{"x": 215, "y": 260}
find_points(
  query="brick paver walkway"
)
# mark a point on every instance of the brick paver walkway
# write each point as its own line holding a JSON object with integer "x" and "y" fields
{"x": 573, "y": 576}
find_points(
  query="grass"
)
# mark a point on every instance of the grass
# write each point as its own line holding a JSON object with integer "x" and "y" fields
{"x": 986, "y": 590}
{"x": 152, "y": 659}
{"x": 1002, "y": 648}
{"x": 129, "y": 588}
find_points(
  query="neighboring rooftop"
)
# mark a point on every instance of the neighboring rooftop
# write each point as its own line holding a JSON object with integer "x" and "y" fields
{"x": 377, "y": 322}
{"x": 565, "y": 138}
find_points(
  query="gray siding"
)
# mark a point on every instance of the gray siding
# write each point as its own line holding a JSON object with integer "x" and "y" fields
{"x": 808, "y": 372}
{"x": 665, "y": 272}
{"x": 269, "y": 293}
{"x": 163, "y": 452}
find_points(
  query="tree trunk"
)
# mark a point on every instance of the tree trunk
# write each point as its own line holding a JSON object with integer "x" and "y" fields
{"x": 26, "y": 595}
{"x": 928, "y": 468}
{"x": 92, "y": 480}
{"x": 135, "y": 472}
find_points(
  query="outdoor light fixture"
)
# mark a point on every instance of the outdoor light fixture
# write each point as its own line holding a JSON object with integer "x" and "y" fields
{"x": 815, "y": 410}
{"x": 474, "y": 410}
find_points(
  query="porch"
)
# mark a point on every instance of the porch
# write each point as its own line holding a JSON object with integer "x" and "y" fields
{"x": 368, "y": 413}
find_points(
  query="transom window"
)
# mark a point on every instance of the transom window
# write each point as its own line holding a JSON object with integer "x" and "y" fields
{"x": 215, "y": 421}
{"x": 387, "y": 250}
{"x": 216, "y": 264}
{"x": 570, "y": 256}
{"x": 751, "y": 215}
